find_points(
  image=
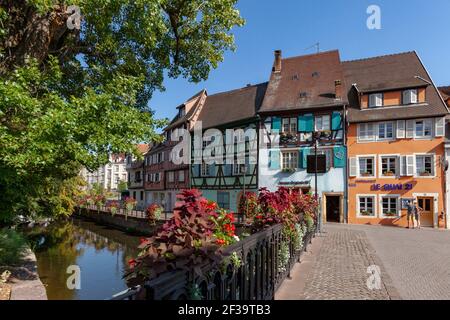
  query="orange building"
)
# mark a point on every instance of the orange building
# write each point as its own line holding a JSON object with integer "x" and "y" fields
{"x": 395, "y": 141}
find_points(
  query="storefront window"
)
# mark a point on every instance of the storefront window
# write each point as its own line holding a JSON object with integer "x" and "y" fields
{"x": 389, "y": 206}
{"x": 366, "y": 206}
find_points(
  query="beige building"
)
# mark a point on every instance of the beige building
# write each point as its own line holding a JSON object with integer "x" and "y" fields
{"x": 108, "y": 175}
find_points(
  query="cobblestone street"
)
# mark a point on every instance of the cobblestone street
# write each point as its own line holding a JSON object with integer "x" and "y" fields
{"x": 413, "y": 264}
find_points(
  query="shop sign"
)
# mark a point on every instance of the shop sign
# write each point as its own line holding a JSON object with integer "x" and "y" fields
{"x": 392, "y": 187}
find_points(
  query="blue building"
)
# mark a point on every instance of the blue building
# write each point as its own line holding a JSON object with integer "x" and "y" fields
{"x": 305, "y": 104}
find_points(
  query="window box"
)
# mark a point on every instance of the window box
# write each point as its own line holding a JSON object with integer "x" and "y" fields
{"x": 365, "y": 213}
{"x": 390, "y": 214}
{"x": 325, "y": 134}
{"x": 388, "y": 174}
{"x": 425, "y": 174}
{"x": 366, "y": 174}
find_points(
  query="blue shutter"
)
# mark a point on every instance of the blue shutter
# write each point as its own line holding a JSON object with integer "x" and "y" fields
{"x": 306, "y": 123}
{"x": 196, "y": 170}
{"x": 336, "y": 121}
{"x": 274, "y": 159}
{"x": 276, "y": 123}
{"x": 339, "y": 158}
{"x": 305, "y": 154}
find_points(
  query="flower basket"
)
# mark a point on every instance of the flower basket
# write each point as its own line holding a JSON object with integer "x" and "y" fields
{"x": 154, "y": 213}
{"x": 365, "y": 213}
{"x": 130, "y": 203}
{"x": 425, "y": 174}
{"x": 114, "y": 207}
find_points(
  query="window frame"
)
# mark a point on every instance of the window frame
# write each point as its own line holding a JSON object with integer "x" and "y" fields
{"x": 322, "y": 116}
{"x": 292, "y": 122}
{"x": 433, "y": 165}
{"x": 181, "y": 174}
{"x": 374, "y": 204}
{"x": 386, "y": 138}
{"x": 397, "y": 165}
{"x": 410, "y": 102}
{"x": 369, "y": 105}
{"x": 398, "y": 205}
{"x": 429, "y": 120}
{"x": 291, "y": 152}
{"x": 374, "y": 163}
{"x": 205, "y": 169}
{"x": 219, "y": 202}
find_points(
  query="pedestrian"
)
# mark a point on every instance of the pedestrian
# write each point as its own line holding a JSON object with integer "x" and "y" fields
{"x": 411, "y": 213}
{"x": 417, "y": 213}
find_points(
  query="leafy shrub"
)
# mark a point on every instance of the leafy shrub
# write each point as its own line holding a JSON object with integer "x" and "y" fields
{"x": 12, "y": 247}
{"x": 154, "y": 213}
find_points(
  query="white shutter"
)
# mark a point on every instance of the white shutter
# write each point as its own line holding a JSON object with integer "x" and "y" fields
{"x": 409, "y": 165}
{"x": 353, "y": 167}
{"x": 379, "y": 99}
{"x": 401, "y": 129}
{"x": 403, "y": 165}
{"x": 406, "y": 97}
{"x": 439, "y": 127}
{"x": 413, "y": 96}
{"x": 410, "y": 128}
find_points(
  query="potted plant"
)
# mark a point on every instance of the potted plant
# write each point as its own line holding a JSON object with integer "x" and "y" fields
{"x": 425, "y": 174}
{"x": 325, "y": 134}
{"x": 130, "y": 203}
{"x": 366, "y": 174}
{"x": 390, "y": 214}
{"x": 154, "y": 213}
{"x": 99, "y": 201}
{"x": 388, "y": 173}
{"x": 114, "y": 207}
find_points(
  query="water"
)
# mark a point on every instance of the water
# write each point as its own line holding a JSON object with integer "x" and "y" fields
{"x": 101, "y": 253}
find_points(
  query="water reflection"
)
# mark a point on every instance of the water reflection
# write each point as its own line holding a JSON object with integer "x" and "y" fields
{"x": 100, "y": 252}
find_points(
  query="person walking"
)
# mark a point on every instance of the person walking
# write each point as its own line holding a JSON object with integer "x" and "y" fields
{"x": 417, "y": 213}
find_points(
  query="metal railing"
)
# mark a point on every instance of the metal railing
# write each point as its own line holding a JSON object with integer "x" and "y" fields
{"x": 261, "y": 271}
{"x": 137, "y": 214}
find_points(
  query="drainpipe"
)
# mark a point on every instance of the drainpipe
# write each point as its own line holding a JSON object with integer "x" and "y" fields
{"x": 344, "y": 128}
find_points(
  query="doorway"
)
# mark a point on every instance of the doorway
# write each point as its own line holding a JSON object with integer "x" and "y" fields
{"x": 427, "y": 216}
{"x": 333, "y": 208}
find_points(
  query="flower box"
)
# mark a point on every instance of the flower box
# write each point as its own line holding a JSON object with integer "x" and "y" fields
{"x": 366, "y": 174}
{"x": 388, "y": 174}
{"x": 425, "y": 174}
{"x": 366, "y": 213}
{"x": 390, "y": 214}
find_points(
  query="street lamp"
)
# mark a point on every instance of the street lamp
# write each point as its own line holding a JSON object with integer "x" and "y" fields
{"x": 315, "y": 140}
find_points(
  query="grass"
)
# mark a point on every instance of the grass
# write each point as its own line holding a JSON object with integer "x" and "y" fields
{"x": 12, "y": 247}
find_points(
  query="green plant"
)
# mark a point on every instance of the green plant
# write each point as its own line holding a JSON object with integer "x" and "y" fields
{"x": 235, "y": 260}
{"x": 12, "y": 247}
{"x": 309, "y": 223}
{"x": 224, "y": 230}
{"x": 194, "y": 292}
{"x": 154, "y": 213}
{"x": 283, "y": 256}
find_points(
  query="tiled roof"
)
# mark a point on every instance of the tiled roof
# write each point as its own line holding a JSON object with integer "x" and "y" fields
{"x": 445, "y": 92}
{"x": 395, "y": 71}
{"x": 143, "y": 148}
{"x": 177, "y": 120}
{"x": 232, "y": 106}
{"x": 304, "y": 82}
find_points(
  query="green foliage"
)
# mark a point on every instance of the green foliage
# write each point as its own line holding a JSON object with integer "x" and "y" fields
{"x": 69, "y": 102}
{"x": 122, "y": 186}
{"x": 12, "y": 247}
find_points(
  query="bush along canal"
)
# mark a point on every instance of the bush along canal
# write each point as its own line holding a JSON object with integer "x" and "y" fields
{"x": 101, "y": 254}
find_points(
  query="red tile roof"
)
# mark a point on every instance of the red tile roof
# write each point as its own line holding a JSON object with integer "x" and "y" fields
{"x": 143, "y": 148}
{"x": 389, "y": 72}
{"x": 304, "y": 82}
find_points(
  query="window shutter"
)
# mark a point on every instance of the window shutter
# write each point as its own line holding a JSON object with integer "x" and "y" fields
{"x": 372, "y": 100}
{"x": 413, "y": 96}
{"x": 406, "y": 97}
{"x": 353, "y": 167}
{"x": 306, "y": 123}
{"x": 339, "y": 158}
{"x": 276, "y": 123}
{"x": 410, "y": 129}
{"x": 439, "y": 127}
{"x": 305, "y": 153}
{"x": 401, "y": 129}
{"x": 409, "y": 165}
{"x": 336, "y": 121}
{"x": 274, "y": 159}
{"x": 402, "y": 165}
{"x": 379, "y": 99}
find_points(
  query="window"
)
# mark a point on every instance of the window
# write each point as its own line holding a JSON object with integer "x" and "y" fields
{"x": 366, "y": 206}
{"x": 389, "y": 206}
{"x": 205, "y": 170}
{"x": 238, "y": 169}
{"x": 385, "y": 130}
{"x": 389, "y": 166}
{"x": 171, "y": 176}
{"x": 322, "y": 123}
{"x": 328, "y": 154}
{"x": 424, "y": 128}
{"x": 181, "y": 176}
{"x": 410, "y": 96}
{"x": 134, "y": 195}
{"x": 366, "y": 131}
{"x": 223, "y": 200}
{"x": 182, "y": 112}
{"x": 289, "y": 124}
{"x": 149, "y": 177}
{"x": 424, "y": 165}
{"x": 375, "y": 100}
{"x": 142, "y": 195}
{"x": 366, "y": 167}
{"x": 137, "y": 176}
{"x": 289, "y": 160}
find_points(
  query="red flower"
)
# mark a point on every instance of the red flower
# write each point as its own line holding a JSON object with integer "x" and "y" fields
{"x": 143, "y": 240}
{"x": 220, "y": 242}
{"x": 132, "y": 263}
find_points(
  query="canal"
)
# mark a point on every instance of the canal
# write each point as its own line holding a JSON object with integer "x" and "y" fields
{"x": 100, "y": 252}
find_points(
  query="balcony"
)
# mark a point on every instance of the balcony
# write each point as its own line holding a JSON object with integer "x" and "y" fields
{"x": 295, "y": 139}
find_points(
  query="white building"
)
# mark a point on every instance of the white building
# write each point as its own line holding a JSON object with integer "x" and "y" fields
{"x": 108, "y": 175}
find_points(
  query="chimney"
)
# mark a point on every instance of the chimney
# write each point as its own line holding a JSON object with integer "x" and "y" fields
{"x": 277, "y": 65}
{"x": 338, "y": 89}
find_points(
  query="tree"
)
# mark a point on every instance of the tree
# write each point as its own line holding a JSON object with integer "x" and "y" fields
{"x": 69, "y": 97}
{"x": 122, "y": 186}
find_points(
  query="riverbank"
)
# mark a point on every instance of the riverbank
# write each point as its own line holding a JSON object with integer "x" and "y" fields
{"x": 24, "y": 283}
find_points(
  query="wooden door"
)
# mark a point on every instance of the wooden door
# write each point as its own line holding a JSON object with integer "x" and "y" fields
{"x": 427, "y": 216}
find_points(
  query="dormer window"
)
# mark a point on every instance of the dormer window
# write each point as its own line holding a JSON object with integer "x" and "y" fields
{"x": 182, "y": 112}
{"x": 375, "y": 100}
{"x": 410, "y": 96}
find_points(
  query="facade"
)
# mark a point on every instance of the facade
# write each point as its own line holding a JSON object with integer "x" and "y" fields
{"x": 304, "y": 105}
{"x": 163, "y": 178}
{"x": 135, "y": 169}
{"x": 445, "y": 93}
{"x": 395, "y": 141}
{"x": 109, "y": 175}
{"x": 225, "y": 181}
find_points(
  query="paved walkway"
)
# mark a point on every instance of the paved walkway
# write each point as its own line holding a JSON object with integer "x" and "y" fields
{"x": 414, "y": 264}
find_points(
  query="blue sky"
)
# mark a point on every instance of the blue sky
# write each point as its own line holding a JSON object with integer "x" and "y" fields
{"x": 294, "y": 25}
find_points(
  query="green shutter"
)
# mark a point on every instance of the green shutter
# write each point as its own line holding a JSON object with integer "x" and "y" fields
{"x": 300, "y": 159}
{"x": 339, "y": 156}
{"x": 336, "y": 121}
{"x": 306, "y": 123}
{"x": 276, "y": 123}
{"x": 305, "y": 154}
{"x": 274, "y": 159}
